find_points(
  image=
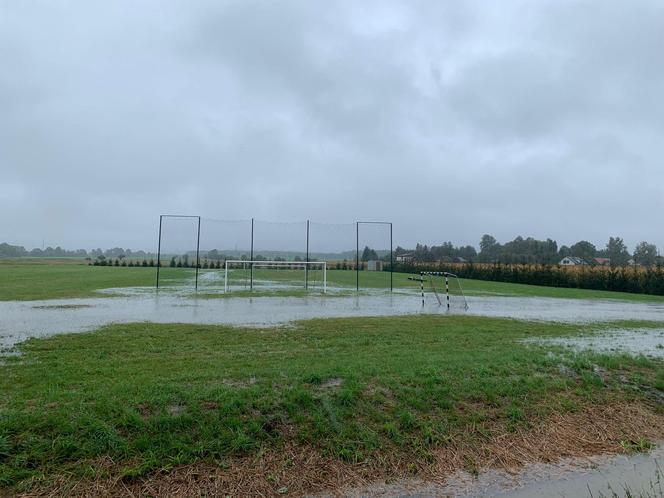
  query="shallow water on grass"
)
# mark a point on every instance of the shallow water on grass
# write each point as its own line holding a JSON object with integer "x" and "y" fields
{"x": 601, "y": 476}
{"x": 20, "y": 320}
{"x": 644, "y": 341}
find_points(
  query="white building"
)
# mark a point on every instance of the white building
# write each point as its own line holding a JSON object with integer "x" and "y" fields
{"x": 572, "y": 261}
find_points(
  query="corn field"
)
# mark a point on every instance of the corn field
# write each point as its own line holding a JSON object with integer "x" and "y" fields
{"x": 635, "y": 279}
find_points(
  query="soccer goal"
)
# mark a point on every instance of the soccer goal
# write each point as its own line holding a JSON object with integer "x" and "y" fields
{"x": 444, "y": 286}
{"x": 252, "y": 274}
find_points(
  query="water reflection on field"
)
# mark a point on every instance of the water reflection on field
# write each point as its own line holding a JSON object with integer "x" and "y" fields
{"x": 24, "y": 319}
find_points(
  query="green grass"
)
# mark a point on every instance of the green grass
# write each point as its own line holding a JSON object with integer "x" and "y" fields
{"x": 153, "y": 396}
{"x": 51, "y": 279}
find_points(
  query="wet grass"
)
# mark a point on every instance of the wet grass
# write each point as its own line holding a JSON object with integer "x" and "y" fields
{"x": 35, "y": 279}
{"x": 153, "y": 396}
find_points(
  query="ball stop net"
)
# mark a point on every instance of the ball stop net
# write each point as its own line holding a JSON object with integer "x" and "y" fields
{"x": 193, "y": 252}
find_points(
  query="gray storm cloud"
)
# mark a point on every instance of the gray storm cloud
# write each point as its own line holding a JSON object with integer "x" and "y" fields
{"x": 451, "y": 119}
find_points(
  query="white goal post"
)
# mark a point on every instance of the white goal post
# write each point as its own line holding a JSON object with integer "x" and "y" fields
{"x": 275, "y": 265}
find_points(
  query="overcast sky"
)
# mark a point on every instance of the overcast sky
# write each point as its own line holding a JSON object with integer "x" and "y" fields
{"x": 449, "y": 118}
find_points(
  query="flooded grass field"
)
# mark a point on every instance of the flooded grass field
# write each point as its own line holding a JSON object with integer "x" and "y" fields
{"x": 25, "y": 319}
{"x": 356, "y": 377}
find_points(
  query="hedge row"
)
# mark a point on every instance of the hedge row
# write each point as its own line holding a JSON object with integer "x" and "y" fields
{"x": 637, "y": 280}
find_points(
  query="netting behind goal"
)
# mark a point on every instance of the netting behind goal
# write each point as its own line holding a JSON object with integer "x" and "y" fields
{"x": 221, "y": 240}
{"x": 193, "y": 252}
{"x": 177, "y": 250}
{"x": 274, "y": 275}
{"x": 374, "y": 240}
{"x": 334, "y": 243}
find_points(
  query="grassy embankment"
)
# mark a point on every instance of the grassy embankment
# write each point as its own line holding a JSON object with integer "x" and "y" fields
{"x": 118, "y": 407}
{"x": 26, "y": 279}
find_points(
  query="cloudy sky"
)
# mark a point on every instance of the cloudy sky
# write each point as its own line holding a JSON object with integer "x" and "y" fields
{"x": 449, "y": 118}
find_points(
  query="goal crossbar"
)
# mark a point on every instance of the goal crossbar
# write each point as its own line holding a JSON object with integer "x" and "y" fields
{"x": 303, "y": 265}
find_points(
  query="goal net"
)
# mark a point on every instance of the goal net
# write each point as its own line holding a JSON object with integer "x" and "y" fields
{"x": 444, "y": 289}
{"x": 273, "y": 275}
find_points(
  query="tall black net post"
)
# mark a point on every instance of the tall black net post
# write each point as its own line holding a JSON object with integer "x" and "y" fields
{"x": 357, "y": 256}
{"x": 198, "y": 251}
{"x": 391, "y": 260}
{"x": 159, "y": 250}
{"x": 251, "y": 258}
{"x": 306, "y": 267}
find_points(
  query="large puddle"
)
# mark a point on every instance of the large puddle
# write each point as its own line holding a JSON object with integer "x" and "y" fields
{"x": 25, "y": 319}
{"x": 642, "y": 341}
{"x": 602, "y": 476}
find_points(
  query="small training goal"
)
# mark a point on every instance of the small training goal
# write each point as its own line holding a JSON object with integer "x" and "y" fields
{"x": 444, "y": 286}
{"x": 249, "y": 275}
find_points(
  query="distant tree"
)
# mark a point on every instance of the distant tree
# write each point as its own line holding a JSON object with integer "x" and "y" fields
{"x": 616, "y": 250}
{"x": 489, "y": 248}
{"x": 368, "y": 254}
{"x": 645, "y": 254}
{"x": 172, "y": 264}
{"x": 584, "y": 249}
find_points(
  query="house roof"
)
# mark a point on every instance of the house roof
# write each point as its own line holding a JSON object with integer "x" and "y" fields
{"x": 575, "y": 260}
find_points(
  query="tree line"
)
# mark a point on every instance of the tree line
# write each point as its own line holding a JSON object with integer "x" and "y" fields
{"x": 532, "y": 251}
{"x": 14, "y": 251}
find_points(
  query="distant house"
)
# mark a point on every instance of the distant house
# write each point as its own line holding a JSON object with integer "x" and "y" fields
{"x": 572, "y": 261}
{"x": 459, "y": 259}
{"x": 603, "y": 261}
{"x": 406, "y": 257}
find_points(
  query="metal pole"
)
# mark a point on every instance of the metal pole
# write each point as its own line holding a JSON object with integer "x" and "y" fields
{"x": 198, "y": 247}
{"x": 306, "y": 267}
{"x": 357, "y": 255}
{"x": 226, "y": 276}
{"x": 447, "y": 291}
{"x": 159, "y": 250}
{"x": 251, "y": 258}
{"x": 422, "y": 287}
{"x": 391, "y": 262}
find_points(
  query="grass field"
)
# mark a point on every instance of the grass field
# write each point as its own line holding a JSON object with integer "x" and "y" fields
{"x": 27, "y": 279}
{"x": 150, "y": 397}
